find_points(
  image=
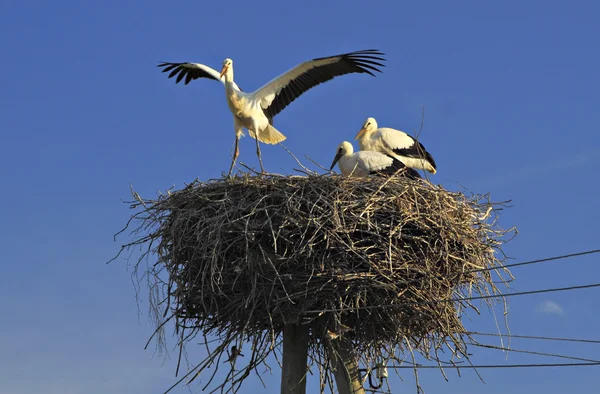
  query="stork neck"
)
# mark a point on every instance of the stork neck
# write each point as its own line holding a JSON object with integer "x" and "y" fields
{"x": 229, "y": 88}
{"x": 366, "y": 141}
{"x": 228, "y": 77}
{"x": 345, "y": 164}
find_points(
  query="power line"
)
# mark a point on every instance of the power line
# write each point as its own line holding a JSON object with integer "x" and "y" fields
{"x": 534, "y": 337}
{"x": 534, "y": 353}
{"x": 493, "y": 366}
{"x": 482, "y": 297}
{"x": 547, "y": 259}
{"x": 536, "y": 261}
{"x": 565, "y": 256}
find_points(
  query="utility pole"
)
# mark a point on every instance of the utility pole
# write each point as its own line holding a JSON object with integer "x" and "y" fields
{"x": 295, "y": 359}
{"x": 345, "y": 367}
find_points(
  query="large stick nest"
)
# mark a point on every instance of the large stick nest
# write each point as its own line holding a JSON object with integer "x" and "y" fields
{"x": 384, "y": 261}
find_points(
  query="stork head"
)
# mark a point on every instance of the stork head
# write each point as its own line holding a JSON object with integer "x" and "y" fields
{"x": 368, "y": 127}
{"x": 343, "y": 149}
{"x": 227, "y": 65}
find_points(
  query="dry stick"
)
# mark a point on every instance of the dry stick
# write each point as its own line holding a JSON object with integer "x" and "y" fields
{"x": 419, "y": 134}
{"x": 307, "y": 171}
{"x": 295, "y": 359}
{"x": 318, "y": 165}
{"x": 345, "y": 368}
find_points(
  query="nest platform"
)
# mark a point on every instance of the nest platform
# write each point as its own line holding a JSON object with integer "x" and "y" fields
{"x": 386, "y": 263}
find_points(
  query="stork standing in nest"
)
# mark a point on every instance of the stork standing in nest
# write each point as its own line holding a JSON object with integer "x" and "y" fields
{"x": 396, "y": 144}
{"x": 255, "y": 111}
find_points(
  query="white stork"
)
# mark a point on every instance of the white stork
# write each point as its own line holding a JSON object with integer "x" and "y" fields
{"x": 255, "y": 111}
{"x": 365, "y": 163}
{"x": 395, "y": 143}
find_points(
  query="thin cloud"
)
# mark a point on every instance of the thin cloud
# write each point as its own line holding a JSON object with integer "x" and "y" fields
{"x": 550, "y": 308}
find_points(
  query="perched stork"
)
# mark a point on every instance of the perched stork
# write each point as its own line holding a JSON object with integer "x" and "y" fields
{"x": 255, "y": 111}
{"x": 395, "y": 143}
{"x": 365, "y": 163}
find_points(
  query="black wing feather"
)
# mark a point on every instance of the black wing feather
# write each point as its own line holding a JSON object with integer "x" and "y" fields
{"x": 417, "y": 151}
{"x": 396, "y": 166}
{"x": 181, "y": 71}
{"x": 365, "y": 61}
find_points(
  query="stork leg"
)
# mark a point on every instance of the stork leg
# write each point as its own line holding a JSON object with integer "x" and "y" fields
{"x": 262, "y": 169}
{"x": 236, "y": 153}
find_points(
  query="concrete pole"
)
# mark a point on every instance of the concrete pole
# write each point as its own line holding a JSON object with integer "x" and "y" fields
{"x": 345, "y": 367}
{"x": 295, "y": 359}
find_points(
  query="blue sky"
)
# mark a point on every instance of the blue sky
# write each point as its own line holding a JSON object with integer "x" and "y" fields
{"x": 510, "y": 92}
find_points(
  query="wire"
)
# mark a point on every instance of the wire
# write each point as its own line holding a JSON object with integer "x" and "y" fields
{"x": 482, "y": 297}
{"x": 537, "y": 261}
{"x": 534, "y": 353}
{"x": 534, "y": 337}
{"x": 565, "y": 256}
{"x": 554, "y": 258}
{"x": 493, "y": 366}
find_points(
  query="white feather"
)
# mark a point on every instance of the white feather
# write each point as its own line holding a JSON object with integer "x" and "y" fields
{"x": 363, "y": 163}
{"x": 386, "y": 140}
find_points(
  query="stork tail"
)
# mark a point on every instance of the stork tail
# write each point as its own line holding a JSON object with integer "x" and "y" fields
{"x": 270, "y": 135}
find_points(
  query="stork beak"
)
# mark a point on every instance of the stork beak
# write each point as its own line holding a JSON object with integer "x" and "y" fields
{"x": 360, "y": 133}
{"x": 223, "y": 71}
{"x": 335, "y": 160}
